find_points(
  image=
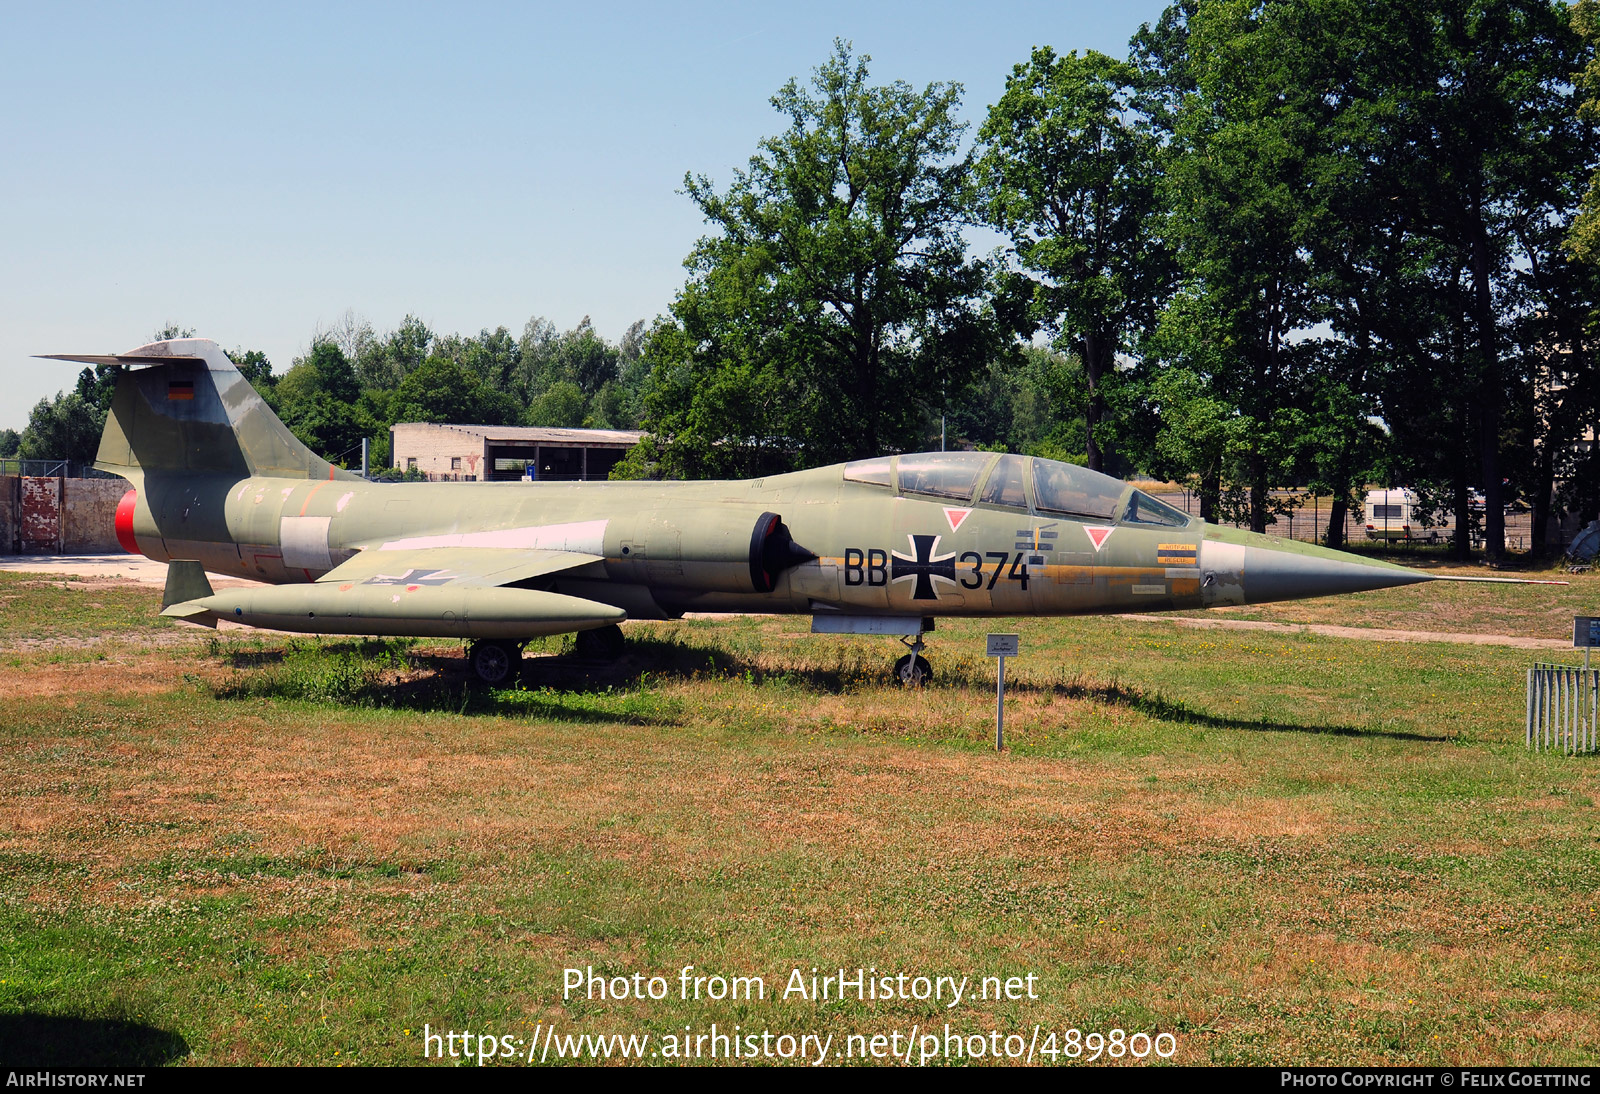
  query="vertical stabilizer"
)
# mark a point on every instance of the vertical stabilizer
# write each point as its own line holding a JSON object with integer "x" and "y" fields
{"x": 182, "y": 407}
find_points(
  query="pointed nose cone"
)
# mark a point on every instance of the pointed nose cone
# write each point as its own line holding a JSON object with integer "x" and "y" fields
{"x": 1245, "y": 568}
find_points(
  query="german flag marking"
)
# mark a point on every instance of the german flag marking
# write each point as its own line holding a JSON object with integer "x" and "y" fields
{"x": 182, "y": 390}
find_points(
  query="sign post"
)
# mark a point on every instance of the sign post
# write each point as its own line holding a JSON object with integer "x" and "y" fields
{"x": 1001, "y": 646}
{"x": 1585, "y": 635}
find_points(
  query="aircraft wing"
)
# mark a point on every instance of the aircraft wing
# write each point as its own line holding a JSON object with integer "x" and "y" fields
{"x": 481, "y": 567}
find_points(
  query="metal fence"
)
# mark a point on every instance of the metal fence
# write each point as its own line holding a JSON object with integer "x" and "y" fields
{"x": 1309, "y": 524}
{"x": 1563, "y": 701}
{"x": 52, "y": 469}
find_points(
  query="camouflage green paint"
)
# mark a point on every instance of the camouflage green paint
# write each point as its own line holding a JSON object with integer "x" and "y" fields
{"x": 222, "y": 482}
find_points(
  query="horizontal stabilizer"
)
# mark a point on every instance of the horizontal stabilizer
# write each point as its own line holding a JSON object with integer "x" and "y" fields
{"x": 191, "y": 611}
{"x": 122, "y": 359}
{"x": 412, "y": 611}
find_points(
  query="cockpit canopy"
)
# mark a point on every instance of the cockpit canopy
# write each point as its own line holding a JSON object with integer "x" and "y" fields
{"x": 1027, "y": 483}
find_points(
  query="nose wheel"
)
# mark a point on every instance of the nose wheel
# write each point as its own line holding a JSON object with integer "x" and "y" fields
{"x": 913, "y": 670}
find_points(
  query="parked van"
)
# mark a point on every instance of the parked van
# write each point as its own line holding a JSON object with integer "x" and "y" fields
{"x": 1395, "y": 514}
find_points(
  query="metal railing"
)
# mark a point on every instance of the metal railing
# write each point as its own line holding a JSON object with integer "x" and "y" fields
{"x": 1563, "y": 702}
{"x": 52, "y": 469}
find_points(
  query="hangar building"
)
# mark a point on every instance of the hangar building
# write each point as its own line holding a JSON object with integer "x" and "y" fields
{"x": 474, "y": 453}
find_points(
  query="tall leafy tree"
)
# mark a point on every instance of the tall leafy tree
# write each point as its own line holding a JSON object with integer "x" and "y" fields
{"x": 1483, "y": 148}
{"x": 493, "y": 357}
{"x": 835, "y": 303}
{"x": 319, "y": 399}
{"x": 1583, "y": 236}
{"x": 1240, "y": 188}
{"x": 64, "y": 428}
{"x": 384, "y": 362}
{"x": 440, "y": 390}
{"x": 1069, "y": 172}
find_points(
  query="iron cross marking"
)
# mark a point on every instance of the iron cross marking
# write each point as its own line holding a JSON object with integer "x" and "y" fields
{"x": 924, "y": 567}
{"x": 412, "y": 577}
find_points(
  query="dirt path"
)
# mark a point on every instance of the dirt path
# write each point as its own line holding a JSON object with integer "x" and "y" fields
{"x": 1367, "y": 634}
{"x": 106, "y": 567}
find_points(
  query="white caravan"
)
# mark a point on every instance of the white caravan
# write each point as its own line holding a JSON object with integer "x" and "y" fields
{"x": 1396, "y": 515}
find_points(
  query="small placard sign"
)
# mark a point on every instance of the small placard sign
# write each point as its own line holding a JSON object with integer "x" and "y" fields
{"x": 1005, "y": 645}
{"x": 1585, "y": 631}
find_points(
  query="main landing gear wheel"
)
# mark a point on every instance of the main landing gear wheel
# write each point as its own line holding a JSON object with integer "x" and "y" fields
{"x": 494, "y": 662}
{"x": 600, "y": 644}
{"x": 913, "y": 671}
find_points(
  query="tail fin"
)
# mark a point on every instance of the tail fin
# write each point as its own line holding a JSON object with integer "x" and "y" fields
{"x": 181, "y": 406}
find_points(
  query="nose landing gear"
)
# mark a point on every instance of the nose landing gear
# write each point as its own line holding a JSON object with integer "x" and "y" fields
{"x": 913, "y": 670}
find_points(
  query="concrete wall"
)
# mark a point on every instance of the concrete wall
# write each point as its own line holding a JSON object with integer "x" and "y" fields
{"x": 85, "y": 521}
{"x": 89, "y": 513}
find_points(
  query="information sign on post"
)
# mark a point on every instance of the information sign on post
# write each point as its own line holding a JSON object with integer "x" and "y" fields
{"x": 1001, "y": 646}
{"x": 1585, "y": 634}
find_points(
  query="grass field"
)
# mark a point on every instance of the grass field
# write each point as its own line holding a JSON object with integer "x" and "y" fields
{"x": 1544, "y": 611}
{"x": 1287, "y": 849}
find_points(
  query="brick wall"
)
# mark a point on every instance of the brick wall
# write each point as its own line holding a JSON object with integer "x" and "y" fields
{"x": 8, "y": 513}
{"x": 85, "y": 520}
{"x": 434, "y": 446}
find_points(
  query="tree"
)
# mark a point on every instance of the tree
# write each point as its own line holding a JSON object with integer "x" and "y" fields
{"x": 835, "y": 303}
{"x": 1069, "y": 172}
{"x": 351, "y": 333}
{"x": 64, "y": 428}
{"x": 439, "y": 390}
{"x": 10, "y": 440}
{"x": 624, "y": 406}
{"x": 1480, "y": 157}
{"x": 1488, "y": 87}
{"x": 1030, "y": 400}
{"x": 319, "y": 400}
{"x": 584, "y": 358}
{"x": 253, "y": 366}
{"x": 1583, "y": 237}
{"x": 494, "y": 357}
{"x": 384, "y": 362}
{"x": 561, "y": 405}
{"x": 1240, "y": 185}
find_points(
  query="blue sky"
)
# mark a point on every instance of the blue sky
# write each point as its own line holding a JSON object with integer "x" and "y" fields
{"x": 253, "y": 172}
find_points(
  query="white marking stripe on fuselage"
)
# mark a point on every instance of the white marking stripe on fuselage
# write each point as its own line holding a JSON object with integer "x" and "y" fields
{"x": 585, "y": 537}
{"x": 305, "y": 543}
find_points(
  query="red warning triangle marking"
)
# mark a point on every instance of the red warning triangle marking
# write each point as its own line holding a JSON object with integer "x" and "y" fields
{"x": 1098, "y": 535}
{"x": 956, "y": 516}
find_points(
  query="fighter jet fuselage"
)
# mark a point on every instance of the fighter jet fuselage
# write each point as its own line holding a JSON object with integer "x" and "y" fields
{"x": 220, "y": 485}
